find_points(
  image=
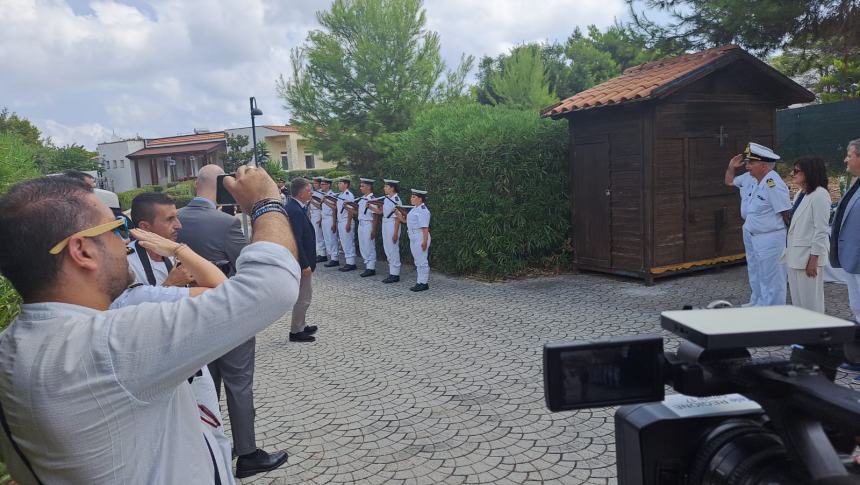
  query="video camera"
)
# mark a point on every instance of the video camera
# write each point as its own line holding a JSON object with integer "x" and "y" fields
{"x": 738, "y": 419}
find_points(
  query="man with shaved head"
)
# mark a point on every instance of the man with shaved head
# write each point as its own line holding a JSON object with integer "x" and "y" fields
{"x": 218, "y": 237}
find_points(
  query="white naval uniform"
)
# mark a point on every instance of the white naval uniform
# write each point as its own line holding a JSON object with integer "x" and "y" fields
{"x": 347, "y": 238}
{"x": 392, "y": 249}
{"x": 330, "y": 238}
{"x": 365, "y": 230}
{"x": 417, "y": 219}
{"x": 316, "y": 220}
{"x": 746, "y": 183}
{"x": 767, "y": 234}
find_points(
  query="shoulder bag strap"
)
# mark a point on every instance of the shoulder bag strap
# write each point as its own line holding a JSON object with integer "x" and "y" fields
{"x": 144, "y": 261}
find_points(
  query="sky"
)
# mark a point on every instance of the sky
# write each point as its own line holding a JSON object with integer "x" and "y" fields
{"x": 87, "y": 71}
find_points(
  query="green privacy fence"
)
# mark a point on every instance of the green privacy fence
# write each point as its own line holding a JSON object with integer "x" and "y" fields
{"x": 822, "y": 130}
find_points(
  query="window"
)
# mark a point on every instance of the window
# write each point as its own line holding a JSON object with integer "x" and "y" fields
{"x": 285, "y": 161}
{"x": 309, "y": 160}
{"x": 122, "y": 164}
{"x": 114, "y": 164}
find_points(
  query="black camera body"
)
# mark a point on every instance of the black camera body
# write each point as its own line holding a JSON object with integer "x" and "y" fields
{"x": 737, "y": 419}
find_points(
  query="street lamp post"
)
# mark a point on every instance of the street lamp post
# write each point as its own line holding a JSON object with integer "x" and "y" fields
{"x": 255, "y": 111}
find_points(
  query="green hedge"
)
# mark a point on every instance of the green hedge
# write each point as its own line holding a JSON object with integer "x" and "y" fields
{"x": 497, "y": 180}
{"x": 181, "y": 192}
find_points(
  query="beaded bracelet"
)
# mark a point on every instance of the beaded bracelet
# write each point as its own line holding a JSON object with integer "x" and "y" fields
{"x": 268, "y": 208}
{"x": 262, "y": 202}
{"x": 268, "y": 204}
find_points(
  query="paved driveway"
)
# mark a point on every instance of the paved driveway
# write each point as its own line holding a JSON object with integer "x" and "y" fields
{"x": 445, "y": 386}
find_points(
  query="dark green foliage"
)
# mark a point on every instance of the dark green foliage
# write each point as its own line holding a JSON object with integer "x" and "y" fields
{"x": 236, "y": 155}
{"x": 497, "y": 182}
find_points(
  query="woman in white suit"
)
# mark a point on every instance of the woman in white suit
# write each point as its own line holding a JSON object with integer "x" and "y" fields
{"x": 808, "y": 240}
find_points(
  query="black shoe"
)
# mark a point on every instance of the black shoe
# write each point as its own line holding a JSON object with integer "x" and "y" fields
{"x": 310, "y": 329}
{"x": 391, "y": 279}
{"x": 301, "y": 337}
{"x": 368, "y": 272}
{"x": 332, "y": 263}
{"x": 347, "y": 267}
{"x": 259, "y": 462}
{"x": 322, "y": 259}
{"x": 420, "y": 287}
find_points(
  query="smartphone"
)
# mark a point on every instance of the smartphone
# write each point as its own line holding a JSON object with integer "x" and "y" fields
{"x": 222, "y": 195}
{"x": 585, "y": 374}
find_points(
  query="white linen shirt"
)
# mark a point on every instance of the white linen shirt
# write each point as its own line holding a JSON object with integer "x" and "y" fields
{"x": 102, "y": 396}
{"x": 418, "y": 218}
{"x": 364, "y": 214}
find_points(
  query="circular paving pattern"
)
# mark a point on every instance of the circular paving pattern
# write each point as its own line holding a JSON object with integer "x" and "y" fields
{"x": 446, "y": 386}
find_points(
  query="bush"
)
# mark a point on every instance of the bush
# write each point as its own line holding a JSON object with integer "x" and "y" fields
{"x": 316, "y": 172}
{"x": 17, "y": 163}
{"x": 496, "y": 179}
{"x": 126, "y": 197}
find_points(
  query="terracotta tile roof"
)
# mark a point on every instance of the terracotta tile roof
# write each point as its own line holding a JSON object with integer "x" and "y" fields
{"x": 188, "y": 149}
{"x": 173, "y": 140}
{"x": 645, "y": 81}
{"x": 283, "y": 129}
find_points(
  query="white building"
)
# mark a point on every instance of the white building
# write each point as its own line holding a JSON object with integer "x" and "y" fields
{"x": 285, "y": 145}
{"x": 118, "y": 170}
{"x": 129, "y": 164}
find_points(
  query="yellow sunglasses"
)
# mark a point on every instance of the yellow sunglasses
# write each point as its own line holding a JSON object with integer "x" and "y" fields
{"x": 118, "y": 226}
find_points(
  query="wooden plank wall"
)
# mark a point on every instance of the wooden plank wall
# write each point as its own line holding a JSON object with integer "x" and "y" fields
{"x": 622, "y": 127}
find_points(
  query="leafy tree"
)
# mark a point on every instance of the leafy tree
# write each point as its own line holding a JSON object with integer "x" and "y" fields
{"x": 366, "y": 73}
{"x": 819, "y": 40}
{"x": 12, "y": 123}
{"x": 53, "y": 159}
{"x": 236, "y": 154}
{"x": 521, "y": 81}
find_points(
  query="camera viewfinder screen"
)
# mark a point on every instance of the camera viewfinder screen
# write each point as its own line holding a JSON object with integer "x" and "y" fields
{"x": 580, "y": 375}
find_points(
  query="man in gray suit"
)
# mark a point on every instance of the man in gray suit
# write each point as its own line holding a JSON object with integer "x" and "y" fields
{"x": 218, "y": 237}
{"x": 845, "y": 233}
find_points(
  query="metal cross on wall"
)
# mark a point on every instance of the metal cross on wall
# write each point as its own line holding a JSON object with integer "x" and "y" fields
{"x": 722, "y": 136}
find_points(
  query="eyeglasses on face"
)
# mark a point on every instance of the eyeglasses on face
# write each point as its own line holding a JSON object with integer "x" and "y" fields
{"x": 118, "y": 226}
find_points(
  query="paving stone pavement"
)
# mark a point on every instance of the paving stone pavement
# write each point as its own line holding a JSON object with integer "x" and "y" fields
{"x": 445, "y": 386}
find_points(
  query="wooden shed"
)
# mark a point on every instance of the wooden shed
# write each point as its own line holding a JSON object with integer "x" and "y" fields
{"x": 648, "y": 154}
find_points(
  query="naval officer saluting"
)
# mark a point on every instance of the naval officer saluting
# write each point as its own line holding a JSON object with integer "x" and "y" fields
{"x": 766, "y": 208}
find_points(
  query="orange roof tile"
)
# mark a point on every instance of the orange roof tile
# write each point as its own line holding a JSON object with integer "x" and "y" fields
{"x": 644, "y": 81}
{"x": 173, "y": 140}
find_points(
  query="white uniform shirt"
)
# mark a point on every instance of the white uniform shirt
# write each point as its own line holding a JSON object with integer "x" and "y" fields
{"x": 364, "y": 213}
{"x": 345, "y": 196}
{"x": 418, "y": 218}
{"x": 316, "y": 212}
{"x": 326, "y": 210}
{"x": 389, "y": 205}
{"x": 102, "y": 396}
{"x": 159, "y": 268}
{"x": 746, "y": 183}
{"x": 766, "y": 202}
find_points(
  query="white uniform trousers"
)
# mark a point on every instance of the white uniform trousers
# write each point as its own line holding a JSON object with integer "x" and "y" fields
{"x": 751, "y": 273}
{"x": 392, "y": 249}
{"x": 853, "y": 283}
{"x": 347, "y": 239}
{"x": 768, "y": 272}
{"x": 422, "y": 265}
{"x": 316, "y": 219}
{"x": 330, "y": 239}
{"x": 806, "y": 292}
{"x": 367, "y": 245}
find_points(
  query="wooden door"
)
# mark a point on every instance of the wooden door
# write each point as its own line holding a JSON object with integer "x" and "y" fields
{"x": 712, "y": 209}
{"x": 591, "y": 205}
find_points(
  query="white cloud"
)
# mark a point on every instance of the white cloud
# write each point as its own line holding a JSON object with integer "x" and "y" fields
{"x": 160, "y": 67}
